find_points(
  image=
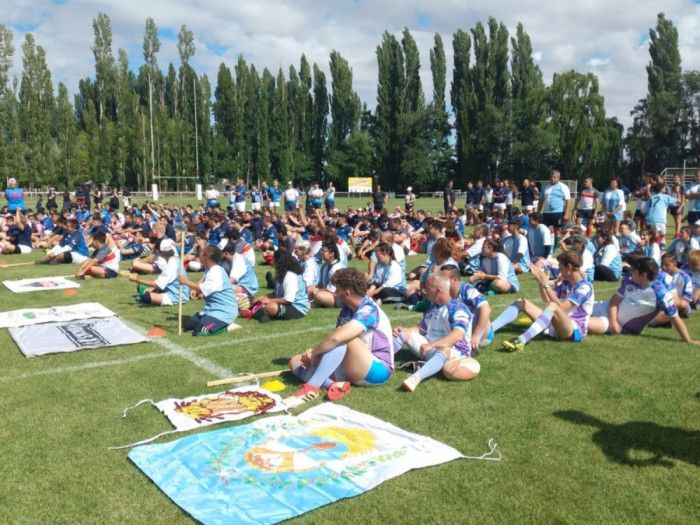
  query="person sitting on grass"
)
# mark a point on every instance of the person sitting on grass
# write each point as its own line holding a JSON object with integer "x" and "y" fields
{"x": 220, "y": 305}
{"x": 388, "y": 283}
{"x": 359, "y": 351}
{"x": 481, "y": 331}
{"x": 682, "y": 245}
{"x": 442, "y": 339}
{"x": 241, "y": 274}
{"x": 496, "y": 273}
{"x": 311, "y": 268}
{"x": 154, "y": 262}
{"x": 637, "y": 302}
{"x": 325, "y": 295}
{"x": 165, "y": 290}
{"x": 71, "y": 249}
{"x": 678, "y": 281}
{"x": 607, "y": 259}
{"x": 289, "y": 300}
{"x": 18, "y": 238}
{"x": 694, "y": 271}
{"x": 568, "y": 305}
{"x": 104, "y": 261}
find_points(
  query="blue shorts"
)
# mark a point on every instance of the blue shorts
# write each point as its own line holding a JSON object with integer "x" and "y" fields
{"x": 378, "y": 374}
{"x": 576, "y": 337}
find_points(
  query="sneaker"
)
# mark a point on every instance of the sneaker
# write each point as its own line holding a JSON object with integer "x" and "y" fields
{"x": 304, "y": 394}
{"x": 513, "y": 345}
{"x": 411, "y": 383}
{"x": 403, "y": 306}
{"x": 338, "y": 390}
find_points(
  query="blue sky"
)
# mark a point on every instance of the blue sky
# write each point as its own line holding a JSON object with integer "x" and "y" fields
{"x": 609, "y": 39}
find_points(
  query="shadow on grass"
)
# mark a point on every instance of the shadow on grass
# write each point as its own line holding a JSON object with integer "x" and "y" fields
{"x": 618, "y": 442}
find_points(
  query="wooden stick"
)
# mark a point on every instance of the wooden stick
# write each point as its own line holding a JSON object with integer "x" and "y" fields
{"x": 243, "y": 379}
{"x": 3, "y": 264}
{"x": 179, "y": 293}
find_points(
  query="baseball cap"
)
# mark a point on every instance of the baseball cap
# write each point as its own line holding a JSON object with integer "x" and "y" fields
{"x": 167, "y": 245}
{"x": 409, "y": 188}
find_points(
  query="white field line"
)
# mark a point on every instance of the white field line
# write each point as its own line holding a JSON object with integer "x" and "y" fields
{"x": 180, "y": 351}
{"x": 84, "y": 366}
{"x": 237, "y": 342}
{"x": 173, "y": 349}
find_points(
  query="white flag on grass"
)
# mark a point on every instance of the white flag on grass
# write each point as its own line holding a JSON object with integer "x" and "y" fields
{"x": 71, "y": 312}
{"x": 52, "y": 338}
{"x": 40, "y": 284}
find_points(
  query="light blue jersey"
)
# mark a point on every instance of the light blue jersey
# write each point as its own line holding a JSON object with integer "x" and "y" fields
{"x": 293, "y": 289}
{"x": 219, "y": 300}
{"x": 515, "y": 247}
{"x": 657, "y": 208}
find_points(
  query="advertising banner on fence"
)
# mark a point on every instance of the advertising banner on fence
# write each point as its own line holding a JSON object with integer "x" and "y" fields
{"x": 360, "y": 184}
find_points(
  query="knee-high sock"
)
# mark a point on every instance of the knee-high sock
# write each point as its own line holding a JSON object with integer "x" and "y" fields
{"x": 398, "y": 343}
{"x": 537, "y": 326}
{"x": 326, "y": 366}
{"x": 434, "y": 361}
{"x": 508, "y": 315}
{"x": 302, "y": 373}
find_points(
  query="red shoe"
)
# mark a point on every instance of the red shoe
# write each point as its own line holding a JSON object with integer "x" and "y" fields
{"x": 246, "y": 314}
{"x": 301, "y": 396}
{"x": 338, "y": 390}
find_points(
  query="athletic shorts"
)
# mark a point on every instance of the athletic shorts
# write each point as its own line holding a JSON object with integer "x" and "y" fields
{"x": 77, "y": 258}
{"x": 109, "y": 273}
{"x": 575, "y": 337}
{"x": 674, "y": 210}
{"x": 255, "y": 206}
{"x": 528, "y": 208}
{"x": 287, "y": 312}
{"x": 167, "y": 300}
{"x": 378, "y": 374}
{"x": 201, "y": 324}
{"x": 552, "y": 220}
{"x": 693, "y": 217}
{"x": 22, "y": 249}
{"x": 156, "y": 268}
{"x": 240, "y": 206}
{"x": 585, "y": 214}
{"x": 658, "y": 227}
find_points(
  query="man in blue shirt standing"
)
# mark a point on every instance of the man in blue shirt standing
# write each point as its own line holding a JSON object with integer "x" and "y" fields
{"x": 554, "y": 202}
{"x": 240, "y": 193}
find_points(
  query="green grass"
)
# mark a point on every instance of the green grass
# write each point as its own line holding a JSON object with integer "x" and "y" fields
{"x": 644, "y": 391}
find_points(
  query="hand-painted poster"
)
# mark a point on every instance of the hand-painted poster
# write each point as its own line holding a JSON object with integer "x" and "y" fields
{"x": 280, "y": 467}
{"x": 40, "y": 284}
{"x": 209, "y": 409}
{"x": 52, "y": 338}
{"x": 72, "y": 312}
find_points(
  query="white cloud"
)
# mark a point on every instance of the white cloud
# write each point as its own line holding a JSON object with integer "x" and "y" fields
{"x": 596, "y": 35}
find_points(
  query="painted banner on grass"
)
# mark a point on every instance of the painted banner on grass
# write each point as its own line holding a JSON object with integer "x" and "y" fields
{"x": 40, "y": 284}
{"x": 72, "y": 312}
{"x": 53, "y": 338}
{"x": 210, "y": 409}
{"x": 281, "y": 467}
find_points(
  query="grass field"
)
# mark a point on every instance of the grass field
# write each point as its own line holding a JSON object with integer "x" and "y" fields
{"x": 603, "y": 431}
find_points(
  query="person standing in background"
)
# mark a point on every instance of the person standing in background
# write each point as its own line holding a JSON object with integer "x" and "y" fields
{"x": 14, "y": 196}
{"x": 448, "y": 196}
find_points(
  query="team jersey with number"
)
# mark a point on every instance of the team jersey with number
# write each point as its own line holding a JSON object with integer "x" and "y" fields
{"x": 376, "y": 329}
{"x": 438, "y": 321}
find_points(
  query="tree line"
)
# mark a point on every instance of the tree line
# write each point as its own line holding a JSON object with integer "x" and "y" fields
{"x": 497, "y": 119}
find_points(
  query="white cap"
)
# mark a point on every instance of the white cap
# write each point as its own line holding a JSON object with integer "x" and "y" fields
{"x": 167, "y": 245}
{"x": 409, "y": 189}
{"x": 289, "y": 183}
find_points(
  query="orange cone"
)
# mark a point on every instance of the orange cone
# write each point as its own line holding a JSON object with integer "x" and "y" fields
{"x": 155, "y": 332}
{"x": 70, "y": 291}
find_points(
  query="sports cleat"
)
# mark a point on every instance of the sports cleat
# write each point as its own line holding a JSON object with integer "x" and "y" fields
{"x": 411, "y": 383}
{"x": 304, "y": 394}
{"x": 338, "y": 390}
{"x": 513, "y": 345}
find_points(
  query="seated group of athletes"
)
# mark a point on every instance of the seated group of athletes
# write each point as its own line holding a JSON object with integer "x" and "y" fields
{"x": 310, "y": 262}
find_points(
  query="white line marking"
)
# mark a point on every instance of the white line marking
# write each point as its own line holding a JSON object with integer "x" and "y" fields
{"x": 184, "y": 353}
{"x": 251, "y": 339}
{"x": 84, "y": 366}
{"x": 172, "y": 349}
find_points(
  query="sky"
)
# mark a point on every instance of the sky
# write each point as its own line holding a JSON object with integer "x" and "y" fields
{"x": 607, "y": 38}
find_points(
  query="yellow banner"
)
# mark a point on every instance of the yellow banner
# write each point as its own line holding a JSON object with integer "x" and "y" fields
{"x": 360, "y": 184}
